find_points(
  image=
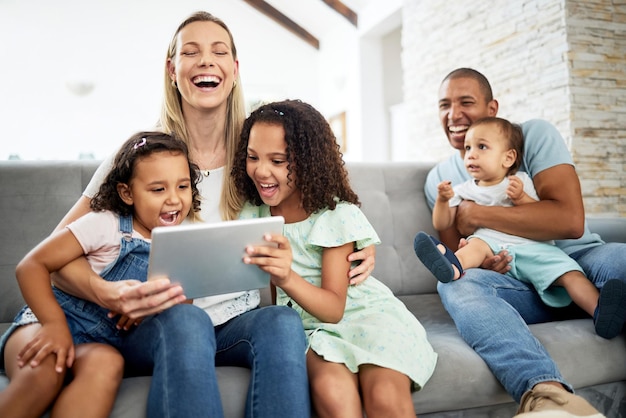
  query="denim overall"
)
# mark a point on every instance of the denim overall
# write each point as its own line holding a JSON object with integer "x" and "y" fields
{"x": 89, "y": 322}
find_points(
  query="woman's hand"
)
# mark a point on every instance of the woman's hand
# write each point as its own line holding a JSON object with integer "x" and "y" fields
{"x": 136, "y": 300}
{"x": 358, "y": 274}
{"x": 52, "y": 338}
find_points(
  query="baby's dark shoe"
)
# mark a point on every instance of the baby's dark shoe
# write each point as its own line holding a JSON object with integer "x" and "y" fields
{"x": 610, "y": 314}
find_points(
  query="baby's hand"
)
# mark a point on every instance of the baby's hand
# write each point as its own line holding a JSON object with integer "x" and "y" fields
{"x": 445, "y": 191}
{"x": 53, "y": 338}
{"x": 515, "y": 189}
{"x": 275, "y": 260}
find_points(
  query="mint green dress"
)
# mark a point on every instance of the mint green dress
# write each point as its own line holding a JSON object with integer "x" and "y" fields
{"x": 376, "y": 328}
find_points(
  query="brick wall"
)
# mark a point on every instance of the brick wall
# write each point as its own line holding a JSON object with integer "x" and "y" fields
{"x": 560, "y": 60}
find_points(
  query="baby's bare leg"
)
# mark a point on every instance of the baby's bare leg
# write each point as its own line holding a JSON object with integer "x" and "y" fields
{"x": 580, "y": 289}
{"x": 607, "y": 307}
{"x": 471, "y": 255}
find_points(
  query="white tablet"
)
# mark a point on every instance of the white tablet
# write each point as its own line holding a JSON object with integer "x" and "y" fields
{"x": 207, "y": 258}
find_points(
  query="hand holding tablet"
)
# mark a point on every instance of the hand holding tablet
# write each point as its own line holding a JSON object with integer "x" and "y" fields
{"x": 207, "y": 258}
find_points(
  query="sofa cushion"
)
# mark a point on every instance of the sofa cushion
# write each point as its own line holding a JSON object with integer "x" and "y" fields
{"x": 392, "y": 198}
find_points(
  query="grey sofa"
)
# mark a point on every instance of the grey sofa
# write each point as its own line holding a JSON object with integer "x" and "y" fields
{"x": 35, "y": 196}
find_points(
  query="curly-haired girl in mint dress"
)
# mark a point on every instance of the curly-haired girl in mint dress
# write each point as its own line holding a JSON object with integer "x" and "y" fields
{"x": 366, "y": 349}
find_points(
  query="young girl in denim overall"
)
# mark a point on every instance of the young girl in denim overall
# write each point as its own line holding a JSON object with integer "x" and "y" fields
{"x": 151, "y": 184}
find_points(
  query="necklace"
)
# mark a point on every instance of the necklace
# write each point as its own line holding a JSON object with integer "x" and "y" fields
{"x": 206, "y": 172}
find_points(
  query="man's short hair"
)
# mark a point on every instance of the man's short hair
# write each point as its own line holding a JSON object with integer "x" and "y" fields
{"x": 482, "y": 81}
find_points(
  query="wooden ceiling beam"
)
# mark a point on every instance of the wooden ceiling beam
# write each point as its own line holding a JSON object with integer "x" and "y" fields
{"x": 343, "y": 10}
{"x": 274, "y": 14}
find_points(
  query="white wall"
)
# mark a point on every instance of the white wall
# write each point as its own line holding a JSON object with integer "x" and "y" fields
{"x": 120, "y": 47}
{"x": 352, "y": 78}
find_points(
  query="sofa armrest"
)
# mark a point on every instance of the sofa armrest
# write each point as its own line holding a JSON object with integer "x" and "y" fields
{"x": 609, "y": 229}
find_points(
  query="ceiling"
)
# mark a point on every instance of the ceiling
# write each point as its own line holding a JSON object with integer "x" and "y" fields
{"x": 310, "y": 19}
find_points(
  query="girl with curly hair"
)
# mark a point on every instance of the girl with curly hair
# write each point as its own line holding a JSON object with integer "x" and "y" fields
{"x": 151, "y": 184}
{"x": 365, "y": 348}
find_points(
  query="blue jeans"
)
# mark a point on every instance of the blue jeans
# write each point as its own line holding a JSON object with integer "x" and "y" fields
{"x": 270, "y": 341}
{"x": 177, "y": 348}
{"x": 603, "y": 262}
{"x": 491, "y": 312}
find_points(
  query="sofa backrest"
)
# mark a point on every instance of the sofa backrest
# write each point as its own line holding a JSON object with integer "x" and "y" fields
{"x": 37, "y": 194}
{"x": 392, "y": 197}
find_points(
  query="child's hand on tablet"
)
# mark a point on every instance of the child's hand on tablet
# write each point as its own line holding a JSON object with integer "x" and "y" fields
{"x": 275, "y": 260}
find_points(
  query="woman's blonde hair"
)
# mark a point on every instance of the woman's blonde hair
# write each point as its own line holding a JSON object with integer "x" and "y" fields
{"x": 173, "y": 121}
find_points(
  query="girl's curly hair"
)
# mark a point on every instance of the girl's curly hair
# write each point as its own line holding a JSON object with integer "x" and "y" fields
{"x": 313, "y": 156}
{"x": 137, "y": 147}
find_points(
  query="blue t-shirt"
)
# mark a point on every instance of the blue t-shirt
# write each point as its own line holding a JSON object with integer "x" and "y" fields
{"x": 543, "y": 148}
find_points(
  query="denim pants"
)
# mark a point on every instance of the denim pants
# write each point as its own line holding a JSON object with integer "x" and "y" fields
{"x": 88, "y": 322}
{"x": 176, "y": 347}
{"x": 270, "y": 341}
{"x": 491, "y": 312}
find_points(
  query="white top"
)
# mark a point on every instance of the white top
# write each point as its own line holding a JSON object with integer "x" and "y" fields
{"x": 98, "y": 233}
{"x": 220, "y": 308}
{"x": 494, "y": 196}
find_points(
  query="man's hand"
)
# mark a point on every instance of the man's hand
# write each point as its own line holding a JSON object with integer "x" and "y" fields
{"x": 359, "y": 273}
{"x": 465, "y": 223}
{"x": 498, "y": 263}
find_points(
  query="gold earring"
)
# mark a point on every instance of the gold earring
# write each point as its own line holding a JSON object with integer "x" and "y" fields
{"x": 174, "y": 84}
{"x": 234, "y": 83}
